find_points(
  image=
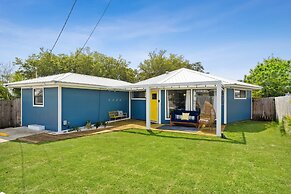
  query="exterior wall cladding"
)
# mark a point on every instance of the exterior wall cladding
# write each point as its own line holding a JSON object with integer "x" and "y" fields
{"x": 47, "y": 115}
{"x": 80, "y": 105}
{"x": 237, "y": 109}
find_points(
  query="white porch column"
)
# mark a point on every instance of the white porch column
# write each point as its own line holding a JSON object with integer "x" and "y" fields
{"x": 59, "y": 109}
{"x": 225, "y": 105}
{"x": 218, "y": 109}
{"x": 148, "y": 119}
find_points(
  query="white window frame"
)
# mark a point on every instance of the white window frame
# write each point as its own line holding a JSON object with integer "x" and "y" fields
{"x": 37, "y": 105}
{"x": 239, "y": 98}
{"x": 166, "y": 101}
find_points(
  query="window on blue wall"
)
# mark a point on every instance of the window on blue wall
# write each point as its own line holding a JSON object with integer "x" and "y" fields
{"x": 138, "y": 94}
{"x": 177, "y": 100}
{"x": 240, "y": 94}
{"x": 38, "y": 97}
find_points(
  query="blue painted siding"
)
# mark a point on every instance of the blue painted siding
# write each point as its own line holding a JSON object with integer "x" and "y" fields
{"x": 238, "y": 109}
{"x": 138, "y": 109}
{"x": 47, "y": 115}
{"x": 80, "y": 105}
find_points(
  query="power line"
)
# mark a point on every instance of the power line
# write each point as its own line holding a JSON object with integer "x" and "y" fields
{"x": 63, "y": 26}
{"x": 96, "y": 25}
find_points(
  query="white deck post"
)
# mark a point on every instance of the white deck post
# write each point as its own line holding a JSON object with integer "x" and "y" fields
{"x": 59, "y": 109}
{"x": 225, "y": 106}
{"x": 148, "y": 119}
{"x": 218, "y": 109}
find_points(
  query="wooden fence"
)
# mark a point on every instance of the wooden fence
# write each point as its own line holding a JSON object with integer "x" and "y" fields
{"x": 264, "y": 109}
{"x": 10, "y": 113}
{"x": 272, "y": 108}
{"x": 283, "y": 106}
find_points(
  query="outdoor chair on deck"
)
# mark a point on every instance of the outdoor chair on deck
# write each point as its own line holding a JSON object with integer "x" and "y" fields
{"x": 207, "y": 116}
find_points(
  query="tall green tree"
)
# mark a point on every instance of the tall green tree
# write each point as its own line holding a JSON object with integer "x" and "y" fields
{"x": 159, "y": 63}
{"x": 7, "y": 74}
{"x": 45, "y": 63}
{"x": 274, "y": 75}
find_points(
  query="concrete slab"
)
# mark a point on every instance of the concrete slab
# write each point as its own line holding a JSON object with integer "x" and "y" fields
{"x": 17, "y": 132}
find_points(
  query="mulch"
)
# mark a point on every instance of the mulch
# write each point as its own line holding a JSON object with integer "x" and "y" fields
{"x": 46, "y": 137}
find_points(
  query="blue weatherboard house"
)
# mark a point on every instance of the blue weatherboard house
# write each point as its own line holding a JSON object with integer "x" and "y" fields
{"x": 63, "y": 101}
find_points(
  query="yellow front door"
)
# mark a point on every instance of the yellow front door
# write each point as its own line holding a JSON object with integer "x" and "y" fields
{"x": 154, "y": 106}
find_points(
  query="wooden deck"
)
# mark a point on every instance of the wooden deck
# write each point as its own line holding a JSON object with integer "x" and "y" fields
{"x": 138, "y": 124}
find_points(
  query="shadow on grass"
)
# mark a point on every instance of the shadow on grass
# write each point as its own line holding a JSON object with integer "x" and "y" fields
{"x": 194, "y": 137}
{"x": 249, "y": 126}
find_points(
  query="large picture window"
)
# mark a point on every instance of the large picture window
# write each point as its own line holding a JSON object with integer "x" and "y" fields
{"x": 38, "y": 97}
{"x": 240, "y": 94}
{"x": 202, "y": 97}
{"x": 177, "y": 100}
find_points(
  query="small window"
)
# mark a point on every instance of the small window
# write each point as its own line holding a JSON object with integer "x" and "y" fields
{"x": 140, "y": 94}
{"x": 240, "y": 94}
{"x": 154, "y": 96}
{"x": 38, "y": 97}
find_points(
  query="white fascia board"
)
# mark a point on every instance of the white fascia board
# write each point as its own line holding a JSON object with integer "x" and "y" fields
{"x": 236, "y": 86}
{"x": 183, "y": 84}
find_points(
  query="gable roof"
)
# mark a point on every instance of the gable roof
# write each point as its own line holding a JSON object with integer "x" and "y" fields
{"x": 185, "y": 76}
{"x": 70, "y": 78}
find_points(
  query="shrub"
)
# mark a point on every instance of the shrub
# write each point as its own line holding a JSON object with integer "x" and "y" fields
{"x": 104, "y": 123}
{"x": 88, "y": 124}
{"x": 97, "y": 124}
{"x": 287, "y": 124}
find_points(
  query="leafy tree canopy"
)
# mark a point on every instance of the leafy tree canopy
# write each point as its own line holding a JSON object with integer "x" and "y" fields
{"x": 90, "y": 63}
{"x": 274, "y": 75}
{"x": 159, "y": 63}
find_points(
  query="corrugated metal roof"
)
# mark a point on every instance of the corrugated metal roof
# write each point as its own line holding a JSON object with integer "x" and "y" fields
{"x": 71, "y": 78}
{"x": 180, "y": 77}
{"x": 184, "y": 75}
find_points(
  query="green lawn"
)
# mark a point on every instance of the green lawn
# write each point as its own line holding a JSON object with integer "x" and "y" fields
{"x": 256, "y": 159}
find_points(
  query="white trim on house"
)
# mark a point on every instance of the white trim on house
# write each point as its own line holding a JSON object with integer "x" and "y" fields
{"x": 38, "y": 105}
{"x": 148, "y": 119}
{"x": 191, "y": 99}
{"x": 218, "y": 110}
{"x": 138, "y": 98}
{"x": 21, "y": 106}
{"x": 59, "y": 109}
{"x": 240, "y": 97}
{"x": 251, "y": 95}
{"x": 166, "y": 106}
{"x": 129, "y": 105}
{"x": 160, "y": 108}
{"x": 225, "y": 106}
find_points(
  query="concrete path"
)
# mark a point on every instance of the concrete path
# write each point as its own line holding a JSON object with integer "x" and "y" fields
{"x": 17, "y": 132}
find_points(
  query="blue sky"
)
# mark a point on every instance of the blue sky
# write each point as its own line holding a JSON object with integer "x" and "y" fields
{"x": 229, "y": 36}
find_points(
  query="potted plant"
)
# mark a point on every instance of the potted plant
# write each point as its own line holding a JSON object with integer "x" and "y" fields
{"x": 104, "y": 123}
{"x": 88, "y": 124}
{"x": 97, "y": 124}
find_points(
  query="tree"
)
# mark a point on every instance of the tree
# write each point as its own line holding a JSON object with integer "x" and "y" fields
{"x": 274, "y": 75}
{"x": 7, "y": 75}
{"x": 159, "y": 63}
{"x": 90, "y": 63}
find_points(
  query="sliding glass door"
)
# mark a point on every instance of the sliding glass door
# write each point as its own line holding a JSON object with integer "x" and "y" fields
{"x": 177, "y": 100}
{"x": 184, "y": 100}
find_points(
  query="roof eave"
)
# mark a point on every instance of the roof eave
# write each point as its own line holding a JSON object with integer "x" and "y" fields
{"x": 254, "y": 87}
